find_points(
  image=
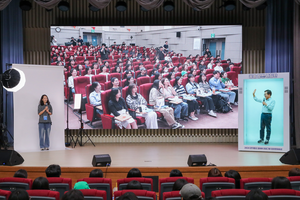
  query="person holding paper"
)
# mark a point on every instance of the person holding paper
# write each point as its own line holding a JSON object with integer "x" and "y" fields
{"x": 268, "y": 105}
{"x": 155, "y": 98}
{"x": 192, "y": 87}
{"x": 117, "y": 107}
{"x": 136, "y": 101}
{"x": 44, "y": 111}
{"x": 95, "y": 97}
{"x": 192, "y": 103}
{"x": 181, "y": 109}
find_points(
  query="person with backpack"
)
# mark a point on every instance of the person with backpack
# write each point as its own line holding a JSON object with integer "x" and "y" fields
{"x": 192, "y": 87}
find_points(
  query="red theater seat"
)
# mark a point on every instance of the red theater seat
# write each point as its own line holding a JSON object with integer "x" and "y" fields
{"x": 12, "y": 184}
{"x": 4, "y": 194}
{"x": 174, "y": 195}
{"x": 104, "y": 184}
{"x": 208, "y": 77}
{"x": 141, "y": 194}
{"x": 80, "y": 83}
{"x": 210, "y": 71}
{"x": 209, "y": 184}
{"x": 147, "y": 183}
{"x": 143, "y": 80}
{"x": 92, "y": 194}
{"x": 45, "y": 194}
{"x": 100, "y": 78}
{"x": 60, "y": 185}
{"x": 256, "y": 183}
{"x": 295, "y": 182}
{"x": 229, "y": 194}
{"x": 233, "y": 77}
{"x": 284, "y": 194}
{"x": 166, "y": 184}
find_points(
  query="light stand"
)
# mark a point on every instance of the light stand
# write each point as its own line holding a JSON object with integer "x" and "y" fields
{"x": 67, "y": 129}
{"x": 81, "y": 133}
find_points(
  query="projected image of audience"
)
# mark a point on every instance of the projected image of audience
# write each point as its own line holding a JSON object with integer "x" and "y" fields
{"x": 150, "y": 77}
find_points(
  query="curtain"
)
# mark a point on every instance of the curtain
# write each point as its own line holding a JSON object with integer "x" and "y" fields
{"x": 251, "y": 3}
{"x": 199, "y": 5}
{"x": 150, "y": 4}
{"x": 99, "y": 3}
{"x": 11, "y": 35}
{"x": 48, "y": 4}
{"x": 297, "y": 70}
{"x": 297, "y": 1}
{"x": 4, "y": 3}
{"x": 279, "y": 45}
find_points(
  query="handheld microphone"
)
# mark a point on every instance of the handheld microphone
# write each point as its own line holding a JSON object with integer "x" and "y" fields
{"x": 264, "y": 99}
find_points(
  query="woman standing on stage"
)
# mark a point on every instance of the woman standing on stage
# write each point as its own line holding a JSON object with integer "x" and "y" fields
{"x": 44, "y": 111}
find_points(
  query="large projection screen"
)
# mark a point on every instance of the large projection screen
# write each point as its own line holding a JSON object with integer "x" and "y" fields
{"x": 250, "y": 112}
{"x": 40, "y": 79}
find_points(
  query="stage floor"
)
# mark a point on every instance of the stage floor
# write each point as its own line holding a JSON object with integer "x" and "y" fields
{"x": 152, "y": 155}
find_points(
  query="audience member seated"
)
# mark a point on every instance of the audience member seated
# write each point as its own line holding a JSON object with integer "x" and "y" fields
{"x": 21, "y": 173}
{"x": 193, "y": 71}
{"x": 158, "y": 76}
{"x": 104, "y": 71}
{"x": 229, "y": 68}
{"x": 171, "y": 76}
{"x": 19, "y": 195}
{"x": 134, "y": 172}
{"x": 175, "y": 173}
{"x": 190, "y": 192}
{"x": 235, "y": 175}
{"x": 178, "y": 184}
{"x": 256, "y": 195}
{"x": 181, "y": 109}
{"x": 281, "y": 182}
{"x": 143, "y": 72}
{"x": 117, "y": 69}
{"x": 73, "y": 195}
{"x": 79, "y": 68}
{"x": 192, "y": 104}
{"x": 95, "y": 97}
{"x": 228, "y": 83}
{"x": 216, "y": 84}
{"x": 192, "y": 87}
{"x": 156, "y": 98}
{"x": 81, "y": 185}
{"x": 134, "y": 185}
{"x": 202, "y": 66}
{"x": 210, "y": 64}
{"x": 118, "y": 107}
{"x": 214, "y": 172}
{"x": 128, "y": 73}
{"x": 71, "y": 79}
{"x": 53, "y": 171}
{"x": 129, "y": 80}
{"x": 40, "y": 183}
{"x": 165, "y": 71}
{"x": 88, "y": 72}
{"x": 294, "y": 172}
{"x": 135, "y": 101}
{"x": 96, "y": 173}
{"x": 184, "y": 74}
{"x": 154, "y": 71}
{"x": 127, "y": 196}
{"x": 218, "y": 68}
{"x": 175, "y": 69}
{"x": 115, "y": 83}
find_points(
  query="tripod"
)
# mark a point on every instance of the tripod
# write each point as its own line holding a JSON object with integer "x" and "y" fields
{"x": 82, "y": 133}
{"x": 67, "y": 129}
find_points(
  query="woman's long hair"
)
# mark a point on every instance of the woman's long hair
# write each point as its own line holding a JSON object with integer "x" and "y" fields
{"x": 41, "y": 100}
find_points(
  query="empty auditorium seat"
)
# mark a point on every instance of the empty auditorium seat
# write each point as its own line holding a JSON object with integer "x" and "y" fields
{"x": 93, "y": 194}
{"x": 108, "y": 85}
{"x": 174, "y": 195}
{"x": 60, "y": 184}
{"x": 117, "y": 75}
{"x": 282, "y": 194}
{"x": 12, "y": 184}
{"x": 100, "y": 78}
{"x": 141, "y": 194}
{"x": 147, "y": 183}
{"x": 4, "y": 194}
{"x": 209, "y": 184}
{"x": 236, "y": 69}
{"x": 143, "y": 80}
{"x": 166, "y": 184}
{"x": 80, "y": 83}
{"x": 233, "y": 77}
{"x": 100, "y": 184}
{"x": 43, "y": 194}
{"x": 230, "y": 194}
{"x": 256, "y": 183}
{"x": 210, "y": 71}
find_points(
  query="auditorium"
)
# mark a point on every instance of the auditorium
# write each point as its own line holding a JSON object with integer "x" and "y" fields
{"x": 148, "y": 100}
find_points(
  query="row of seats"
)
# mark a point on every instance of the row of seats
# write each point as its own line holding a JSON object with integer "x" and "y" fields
{"x": 207, "y": 185}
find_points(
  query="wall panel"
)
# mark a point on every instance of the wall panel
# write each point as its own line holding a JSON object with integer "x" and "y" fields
{"x": 37, "y": 24}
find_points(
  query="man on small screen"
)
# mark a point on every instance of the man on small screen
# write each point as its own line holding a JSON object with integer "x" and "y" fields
{"x": 266, "y": 115}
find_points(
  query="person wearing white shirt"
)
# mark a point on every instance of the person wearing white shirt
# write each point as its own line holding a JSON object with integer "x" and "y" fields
{"x": 210, "y": 65}
{"x": 71, "y": 80}
{"x": 218, "y": 68}
{"x": 168, "y": 58}
{"x": 95, "y": 97}
{"x": 88, "y": 72}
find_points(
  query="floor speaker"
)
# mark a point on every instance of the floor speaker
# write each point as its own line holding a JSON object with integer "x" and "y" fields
{"x": 10, "y": 157}
{"x": 197, "y": 160}
{"x": 291, "y": 157}
{"x": 101, "y": 160}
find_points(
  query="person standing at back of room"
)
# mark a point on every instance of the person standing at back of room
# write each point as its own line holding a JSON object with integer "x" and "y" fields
{"x": 44, "y": 112}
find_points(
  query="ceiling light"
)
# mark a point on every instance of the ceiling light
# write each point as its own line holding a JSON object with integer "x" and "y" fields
{"x": 121, "y": 6}
{"x": 169, "y": 6}
{"x": 63, "y": 6}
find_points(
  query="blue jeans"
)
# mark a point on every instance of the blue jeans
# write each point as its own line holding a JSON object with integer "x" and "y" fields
{"x": 44, "y": 130}
{"x": 180, "y": 110}
{"x": 265, "y": 121}
{"x": 228, "y": 96}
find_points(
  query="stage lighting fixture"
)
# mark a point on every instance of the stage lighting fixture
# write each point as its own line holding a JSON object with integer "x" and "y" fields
{"x": 169, "y": 6}
{"x": 121, "y": 6}
{"x": 63, "y": 6}
{"x": 25, "y": 5}
{"x": 229, "y": 5}
{"x": 13, "y": 79}
{"x": 143, "y": 9}
{"x": 93, "y": 8}
{"x": 262, "y": 6}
